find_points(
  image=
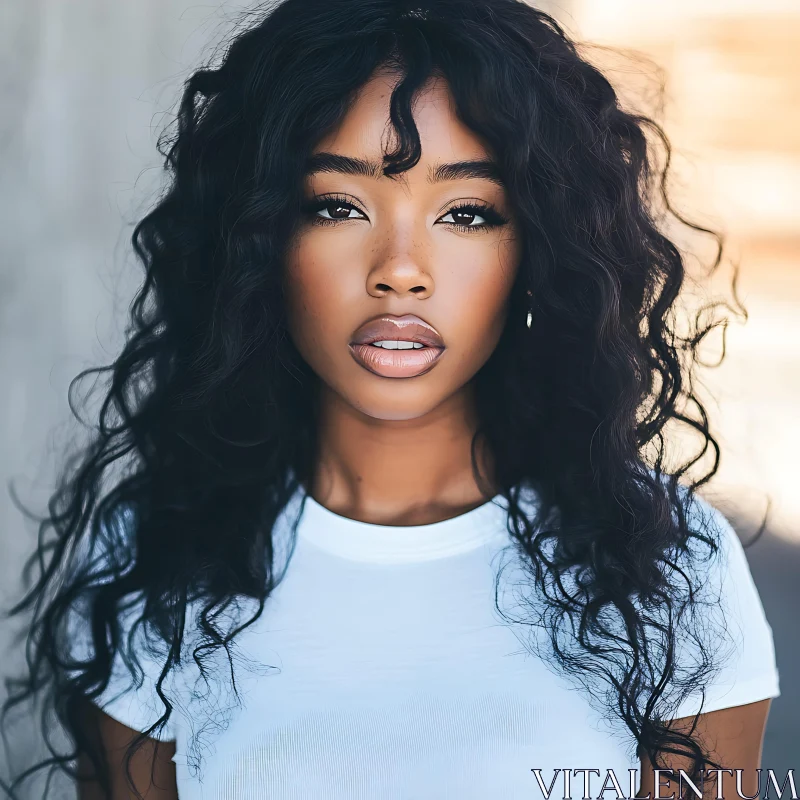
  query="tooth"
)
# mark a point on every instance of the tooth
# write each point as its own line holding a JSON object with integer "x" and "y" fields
{"x": 390, "y": 344}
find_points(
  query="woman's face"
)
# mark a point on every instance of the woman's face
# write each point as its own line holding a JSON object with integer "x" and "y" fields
{"x": 429, "y": 256}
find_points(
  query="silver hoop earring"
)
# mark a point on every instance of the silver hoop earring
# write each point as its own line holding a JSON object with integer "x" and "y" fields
{"x": 529, "y": 319}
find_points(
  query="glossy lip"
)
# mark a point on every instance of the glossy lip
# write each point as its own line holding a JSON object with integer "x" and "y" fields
{"x": 408, "y": 328}
{"x": 397, "y": 363}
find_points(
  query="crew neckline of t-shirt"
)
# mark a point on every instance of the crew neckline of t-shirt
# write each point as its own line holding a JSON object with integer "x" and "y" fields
{"x": 401, "y": 544}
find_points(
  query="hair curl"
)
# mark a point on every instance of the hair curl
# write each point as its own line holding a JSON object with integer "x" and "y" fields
{"x": 209, "y": 406}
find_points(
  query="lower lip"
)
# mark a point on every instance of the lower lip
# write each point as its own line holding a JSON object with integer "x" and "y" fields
{"x": 396, "y": 363}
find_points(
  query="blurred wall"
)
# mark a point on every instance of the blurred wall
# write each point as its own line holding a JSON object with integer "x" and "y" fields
{"x": 83, "y": 88}
{"x": 731, "y": 72}
{"x": 731, "y": 107}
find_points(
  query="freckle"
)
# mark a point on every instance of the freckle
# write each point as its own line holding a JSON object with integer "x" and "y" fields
{"x": 359, "y": 478}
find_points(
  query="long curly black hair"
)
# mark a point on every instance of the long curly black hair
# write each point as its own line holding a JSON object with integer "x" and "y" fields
{"x": 208, "y": 418}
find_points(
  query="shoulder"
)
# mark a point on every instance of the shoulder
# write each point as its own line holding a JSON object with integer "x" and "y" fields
{"x": 134, "y": 693}
{"x": 129, "y": 689}
{"x": 725, "y": 632}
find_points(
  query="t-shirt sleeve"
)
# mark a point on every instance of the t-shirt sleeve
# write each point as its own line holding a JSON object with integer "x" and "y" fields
{"x": 745, "y": 669}
{"x": 131, "y": 696}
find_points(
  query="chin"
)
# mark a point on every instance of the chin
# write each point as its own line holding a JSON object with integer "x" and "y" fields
{"x": 394, "y": 403}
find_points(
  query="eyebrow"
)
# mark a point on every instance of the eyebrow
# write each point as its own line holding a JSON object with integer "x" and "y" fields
{"x": 458, "y": 170}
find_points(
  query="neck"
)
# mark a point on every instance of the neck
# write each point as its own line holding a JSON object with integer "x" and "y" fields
{"x": 398, "y": 472}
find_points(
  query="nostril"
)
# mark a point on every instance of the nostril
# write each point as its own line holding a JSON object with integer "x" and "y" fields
{"x": 384, "y": 287}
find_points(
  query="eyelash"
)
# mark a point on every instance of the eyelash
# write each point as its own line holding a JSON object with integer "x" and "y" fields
{"x": 492, "y": 218}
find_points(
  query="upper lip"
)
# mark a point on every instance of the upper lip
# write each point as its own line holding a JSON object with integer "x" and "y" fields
{"x": 407, "y": 328}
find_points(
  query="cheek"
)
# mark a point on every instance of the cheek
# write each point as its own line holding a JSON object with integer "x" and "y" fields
{"x": 314, "y": 291}
{"x": 478, "y": 292}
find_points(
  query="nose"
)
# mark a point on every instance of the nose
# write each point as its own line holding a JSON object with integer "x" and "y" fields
{"x": 401, "y": 267}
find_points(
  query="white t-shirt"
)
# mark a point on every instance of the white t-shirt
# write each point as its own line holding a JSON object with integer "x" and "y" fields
{"x": 381, "y": 669}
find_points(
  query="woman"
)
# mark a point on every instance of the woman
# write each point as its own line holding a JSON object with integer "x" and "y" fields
{"x": 391, "y": 414}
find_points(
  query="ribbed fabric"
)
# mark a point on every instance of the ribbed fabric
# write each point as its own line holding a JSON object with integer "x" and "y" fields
{"x": 390, "y": 544}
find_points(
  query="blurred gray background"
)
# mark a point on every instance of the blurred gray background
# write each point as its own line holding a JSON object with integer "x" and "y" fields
{"x": 85, "y": 87}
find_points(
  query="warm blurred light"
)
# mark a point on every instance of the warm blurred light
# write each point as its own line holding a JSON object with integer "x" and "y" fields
{"x": 731, "y": 71}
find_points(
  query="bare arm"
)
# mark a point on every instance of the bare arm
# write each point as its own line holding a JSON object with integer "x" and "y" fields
{"x": 734, "y": 737}
{"x": 153, "y": 773}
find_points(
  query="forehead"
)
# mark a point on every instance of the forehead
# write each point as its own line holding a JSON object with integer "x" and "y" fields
{"x": 366, "y": 129}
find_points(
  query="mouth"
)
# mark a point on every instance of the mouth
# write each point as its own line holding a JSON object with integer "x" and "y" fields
{"x": 397, "y": 347}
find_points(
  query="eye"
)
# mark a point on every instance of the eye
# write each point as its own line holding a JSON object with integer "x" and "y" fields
{"x": 331, "y": 209}
{"x": 337, "y": 211}
{"x": 473, "y": 217}
{"x": 465, "y": 217}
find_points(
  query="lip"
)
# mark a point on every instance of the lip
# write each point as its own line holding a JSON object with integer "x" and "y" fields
{"x": 408, "y": 328}
{"x": 397, "y": 363}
